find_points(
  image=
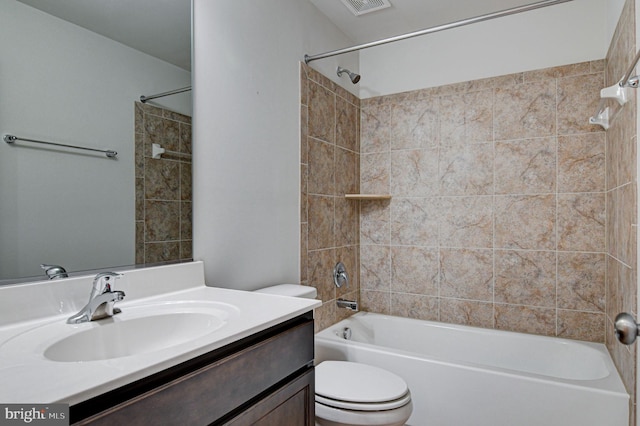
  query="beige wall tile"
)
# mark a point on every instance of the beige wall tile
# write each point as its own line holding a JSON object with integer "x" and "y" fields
{"x": 466, "y": 274}
{"x": 375, "y": 123}
{"x": 375, "y": 222}
{"x": 526, "y": 319}
{"x": 161, "y": 252}
{"x": 466, "y": 312}
{"x": 414, "y": 124}
{"x": 414, "y": 173}
{"x": 414, "y": 270}
{"x": 581, "y": 222}
{"x": 466, "y": 118}
{"x": 466, "y": 170}
{"x": 324, "y": 316}
{"x": 375, "y": 268}
{"x": 587, "y": 326}
{"x": 525, "y": 222}
{"x": 414, "y": 221}
{"x": 162, "y": 179}
{"x": 304, "y": 252}
{"x": 346, "y": 125}
{"x": 304, "y": 134}
{"x": 321, "y": 178}
{"x": 375, "y": 172}
{"x": 321, "y": 222}
{"x": 581, "y": 281}
{"x": 466, "y": 222}
{"x": 346, "y": 222}
{"x": 526, "y": 277}
{"x": 304, "y": 208}
{"x": 525, "y": 166}
{"x": 375, "y": 301}
{"x": 525, "y": 111}
{"x": 346, "y": 172}
{"x": 320, "y": 272}
{"x": 581, "y": 163}
{"x": 162, "y": 221}
{"x": 414, "y": 306}
{"x": 322, "y": 113}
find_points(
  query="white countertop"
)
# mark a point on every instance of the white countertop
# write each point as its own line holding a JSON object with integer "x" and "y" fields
{"x": 29, "y": 377}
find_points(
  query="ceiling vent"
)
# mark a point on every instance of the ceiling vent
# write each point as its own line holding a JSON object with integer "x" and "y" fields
{"x": 361, "y": 7}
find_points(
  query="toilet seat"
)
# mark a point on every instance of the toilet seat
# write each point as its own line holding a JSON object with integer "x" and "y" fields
{"x": 384, "y": 406}
{"x": 359, "y": 387}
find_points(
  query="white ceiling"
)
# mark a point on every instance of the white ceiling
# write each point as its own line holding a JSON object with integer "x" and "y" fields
{"x": 408, "y": 15}
{"x": 160, "y": 28}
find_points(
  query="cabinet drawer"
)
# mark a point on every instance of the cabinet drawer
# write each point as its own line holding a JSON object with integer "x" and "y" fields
{"x": 205, "y": 395}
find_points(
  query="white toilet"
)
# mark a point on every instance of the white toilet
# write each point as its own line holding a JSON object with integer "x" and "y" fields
{"x": 351, "y": 393}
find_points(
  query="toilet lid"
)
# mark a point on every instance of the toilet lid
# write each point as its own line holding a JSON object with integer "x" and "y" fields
{"x": 359, "y": 383}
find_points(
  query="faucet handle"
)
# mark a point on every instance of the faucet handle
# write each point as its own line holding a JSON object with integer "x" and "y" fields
{"x": 102, "y": 284}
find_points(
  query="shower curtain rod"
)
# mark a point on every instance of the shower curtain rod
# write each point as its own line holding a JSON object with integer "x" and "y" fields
{"x": 507, "y": 12}
{"x": 144, "y": 99}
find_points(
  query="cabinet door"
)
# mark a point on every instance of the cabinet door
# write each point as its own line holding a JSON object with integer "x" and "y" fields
{"x": 291, "y": 405}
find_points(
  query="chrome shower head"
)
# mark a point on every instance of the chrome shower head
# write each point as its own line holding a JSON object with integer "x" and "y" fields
{"x": 352, "y": 75}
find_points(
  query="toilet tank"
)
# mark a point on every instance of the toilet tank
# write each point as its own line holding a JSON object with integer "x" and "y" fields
{"x": 291, "y": 290}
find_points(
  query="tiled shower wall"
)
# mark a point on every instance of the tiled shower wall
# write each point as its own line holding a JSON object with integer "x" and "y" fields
{"x": 622, "y": 201}
{"x": 509, "y": 211}
{"x": 163, "y": 186}
{"x": 498, "y": 211}
{"x": 329, "y": 117}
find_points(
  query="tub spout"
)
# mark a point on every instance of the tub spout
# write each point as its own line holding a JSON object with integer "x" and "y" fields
{"x": 348, "y": 304}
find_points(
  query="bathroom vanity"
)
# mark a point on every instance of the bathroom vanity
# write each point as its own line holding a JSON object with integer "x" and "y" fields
{"x": 179, "y": 352}
{"x": 265, "y": 378}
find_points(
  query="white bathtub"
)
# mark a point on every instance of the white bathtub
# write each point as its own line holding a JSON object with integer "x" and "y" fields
{"x": 466, "y": 376}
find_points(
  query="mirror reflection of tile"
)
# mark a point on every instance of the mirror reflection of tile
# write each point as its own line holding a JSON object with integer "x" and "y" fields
{"x": 163, "y": 186}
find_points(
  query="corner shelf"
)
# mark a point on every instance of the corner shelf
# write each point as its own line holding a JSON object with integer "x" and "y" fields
{"x": 367, "y": 196}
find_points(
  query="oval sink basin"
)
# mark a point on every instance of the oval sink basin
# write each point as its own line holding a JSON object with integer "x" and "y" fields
{"x": 116, "y": 339}
{"x": 137, "y": 330}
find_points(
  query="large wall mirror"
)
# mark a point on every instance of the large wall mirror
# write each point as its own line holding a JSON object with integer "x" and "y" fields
{"x": 72, "y": 72}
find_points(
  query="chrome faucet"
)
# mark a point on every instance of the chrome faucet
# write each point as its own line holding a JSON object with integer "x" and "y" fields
{"x": 348, "y": 304}
{"x": 101, "y": 300}
{"x": 54, "y": 271}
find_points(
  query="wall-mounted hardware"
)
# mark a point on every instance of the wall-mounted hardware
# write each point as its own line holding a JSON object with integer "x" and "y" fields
{"x": 11, "y": 139}
{"x": 340, "y": 276}
{"x": 620, "y": 91}
{"x": 144, "y": 99}
{"x": 627, "y": 328}
{"x": 354, "y": 77}
{"x": 348, "y": 304}
{"x": 157, "y": 151}
{"x": 54, "y": 271}
{"x": 515, "y": 10}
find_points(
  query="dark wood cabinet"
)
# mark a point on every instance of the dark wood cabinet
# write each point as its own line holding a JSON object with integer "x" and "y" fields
{"x": 265, "y": 379}
{"x": 291, "y": 405}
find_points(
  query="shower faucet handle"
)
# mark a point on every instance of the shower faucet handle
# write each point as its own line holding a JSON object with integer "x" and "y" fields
{"x": 340, "y": 276}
